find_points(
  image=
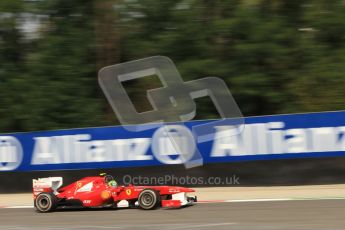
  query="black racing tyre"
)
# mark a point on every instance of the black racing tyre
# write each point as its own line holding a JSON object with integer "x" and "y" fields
{"x": 45, "y": 202}
{"x": 149, "y": 199}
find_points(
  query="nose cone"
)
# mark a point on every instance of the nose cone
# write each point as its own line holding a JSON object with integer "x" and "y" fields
{"x": 173, "y": 189}
{"x": 190, "y": 190}
{"x": 183, "y": 189}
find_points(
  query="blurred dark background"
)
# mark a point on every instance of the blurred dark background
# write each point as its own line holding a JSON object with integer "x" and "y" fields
{"x": 277, "y": 56}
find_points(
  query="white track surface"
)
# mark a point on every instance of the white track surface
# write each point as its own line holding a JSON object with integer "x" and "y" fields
{"x": 226, "y": 194}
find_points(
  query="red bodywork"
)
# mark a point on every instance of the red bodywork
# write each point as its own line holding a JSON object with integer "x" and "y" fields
{"x": 95, "y": 192}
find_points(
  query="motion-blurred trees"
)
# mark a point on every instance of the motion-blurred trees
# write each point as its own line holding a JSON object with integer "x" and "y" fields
{"x": 12, "y": 66}
{"x": 276, "y": 56}
{"x": 63, "y": 70}
{"x": 58, "y": 69}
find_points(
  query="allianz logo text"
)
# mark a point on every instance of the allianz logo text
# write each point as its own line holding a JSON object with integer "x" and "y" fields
{"x": 256, "y": 139}
{"x": 11, "y": 153}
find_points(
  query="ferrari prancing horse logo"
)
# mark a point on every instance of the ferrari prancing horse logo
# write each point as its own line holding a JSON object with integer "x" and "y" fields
{"x": 128, "y": 192}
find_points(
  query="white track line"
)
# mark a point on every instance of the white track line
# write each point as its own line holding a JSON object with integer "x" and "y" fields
{"x": 20, "y": 206}
{"x": 243, "y": 201}
{"x": 190, "y": 226}
{"x": 270, "y": 200}
{"x": 226, "y": 201}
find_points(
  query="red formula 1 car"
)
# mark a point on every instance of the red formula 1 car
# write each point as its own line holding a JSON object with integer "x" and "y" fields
{"x": 102, "y": 192}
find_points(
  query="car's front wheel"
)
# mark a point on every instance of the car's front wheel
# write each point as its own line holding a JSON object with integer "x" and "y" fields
{"x": 149, "y": 199}
{"x": 45, "y": 202}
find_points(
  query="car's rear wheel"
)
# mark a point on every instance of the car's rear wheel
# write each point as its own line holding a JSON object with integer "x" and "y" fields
{"x": 45, "y": 202}
{"x": 149, "y": 199}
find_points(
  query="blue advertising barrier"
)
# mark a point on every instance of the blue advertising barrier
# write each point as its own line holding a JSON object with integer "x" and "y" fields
{"x": 264, "y": 137}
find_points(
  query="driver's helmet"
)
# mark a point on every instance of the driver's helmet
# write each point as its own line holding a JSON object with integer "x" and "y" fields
{"x": 109, "y": 180}
{"x": 112, "y": 183}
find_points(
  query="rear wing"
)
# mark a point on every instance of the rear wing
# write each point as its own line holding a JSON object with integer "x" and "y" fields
{"x": 49, "y": 184}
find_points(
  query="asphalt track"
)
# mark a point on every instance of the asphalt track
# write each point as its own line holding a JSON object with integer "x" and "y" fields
{"x": 275, "y": 215}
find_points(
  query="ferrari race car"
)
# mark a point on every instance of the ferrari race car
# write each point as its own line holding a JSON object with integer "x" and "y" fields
{"x": 103, "y": 192}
